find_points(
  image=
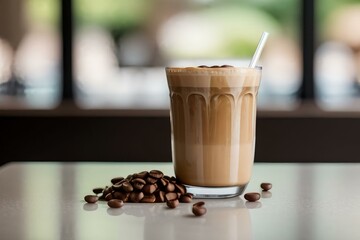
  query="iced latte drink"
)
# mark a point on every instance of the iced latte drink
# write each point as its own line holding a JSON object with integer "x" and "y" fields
{"x": 213, "y": 113}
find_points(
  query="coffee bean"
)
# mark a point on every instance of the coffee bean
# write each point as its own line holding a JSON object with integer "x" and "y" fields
{"x": 202, "y": 66}
{"x": 173, "y": 179}
{"x": 98, "y": 190}
{"x": 172, "y": 203}
{"x": 185, "y": 199}
{"x": 199, "y": 204}
{"x": 266, "y": 186}
{"x": 117, "y": 186}
{"x": 136, "y": 196}
{"x": 108, "y": 197}
{"x": 226, "y": 66}
{"x": 149, "y": 188}
{"x": 151, "y": 180}
{"x": 160, "y": 196}
{"x": 190, "y": 195}
{"x": 101, "y": 197}
{"x": 129, "y": 177}
{"x": 106, "y": 191}
{"x": 148, "y": 198}
{"x": 142, "y": 175}
{"x": 162, "y": 182}
{"x": 91, "y": 198}
{"x": 115, "y": 203}
{"x": 180, "y": 188}
{"x": 170, "y": 187}
{"x": 127, "y": 187}
{"x": 156, "y": 174}
{"x": 198, "y": 209}
{"x": 116, "y": 180}
{"x": 138, "y": 183}
{"x": 252, "y": 197}
{"x": 120, "y": 195}
{"x": 215, "y": 66}
{"x": 171, "y": 196}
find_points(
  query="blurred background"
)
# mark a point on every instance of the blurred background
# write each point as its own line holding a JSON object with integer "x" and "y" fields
{"x": 120, "y": 49}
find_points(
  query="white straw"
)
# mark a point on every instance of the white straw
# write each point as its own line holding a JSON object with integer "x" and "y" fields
{"x": 259, "y": 49}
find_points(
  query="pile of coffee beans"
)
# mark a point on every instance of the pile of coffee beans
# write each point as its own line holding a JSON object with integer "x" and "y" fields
{"x": 154, "y": 187}
{"x": 142, "y": 187}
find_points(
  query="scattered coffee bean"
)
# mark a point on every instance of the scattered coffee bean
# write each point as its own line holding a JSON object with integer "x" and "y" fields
{"x": 156, "y": 174}
{"x": 202, "y": 66}
{"x": 227, "y": 66}
{"x": 91, "y": 198}
{"x": 215, "y": 66}
{"x": 172, "y": 203}
{"x": 98, "y": 190}
{"x": 116, "y": 180}
{"x": 115, "y": 203}
{"x": 198, "y": 209}
{"x": 252, "y": 197}
{"x": 266, "y": 186}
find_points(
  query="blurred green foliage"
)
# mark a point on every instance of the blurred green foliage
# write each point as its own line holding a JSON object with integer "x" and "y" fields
{"x": 114, "y": 15}
{"x": 45, "y": 12}
{"x": 235, "y": 17}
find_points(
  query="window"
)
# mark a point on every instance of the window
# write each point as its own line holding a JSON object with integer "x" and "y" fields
{"x": 337, "y": 58}
{"x": 122, "y": 47}
{"x": 29, "y": 54}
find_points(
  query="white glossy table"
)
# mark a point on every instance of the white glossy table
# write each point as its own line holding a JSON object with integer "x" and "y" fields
{"x": 308, "y": 201}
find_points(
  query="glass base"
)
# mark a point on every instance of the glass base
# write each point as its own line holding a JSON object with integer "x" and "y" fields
{"x": 215, "y": 192}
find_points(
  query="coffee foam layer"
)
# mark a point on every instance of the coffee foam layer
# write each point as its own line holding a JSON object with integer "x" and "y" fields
{"x": 213, "y": 77}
